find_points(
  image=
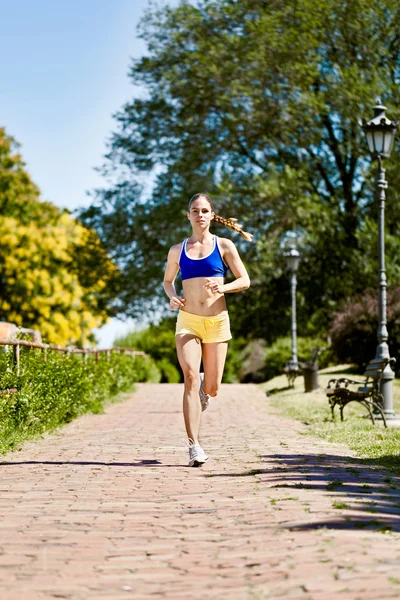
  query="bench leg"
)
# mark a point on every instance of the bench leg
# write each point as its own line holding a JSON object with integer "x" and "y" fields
{"x": 366, "y": 403}
{"x": 369, "y": 404}
{"x": 332, "y": 405}
{"x": 378, "y": 409}
{"x": 290, "y": 379}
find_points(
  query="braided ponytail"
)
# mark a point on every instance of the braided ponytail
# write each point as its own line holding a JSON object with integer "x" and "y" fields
{"x": 231, "y": 223}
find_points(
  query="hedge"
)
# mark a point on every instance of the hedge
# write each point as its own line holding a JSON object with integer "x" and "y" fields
{"x": 54, "y": 389}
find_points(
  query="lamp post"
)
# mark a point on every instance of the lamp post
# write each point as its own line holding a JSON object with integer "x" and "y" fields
{"x": 292, "y": 260}
{"x": 380, "y": 132}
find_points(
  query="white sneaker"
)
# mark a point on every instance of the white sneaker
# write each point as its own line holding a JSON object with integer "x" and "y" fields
{"x": 197, "y": 456}
{"x": 204, "y": 398}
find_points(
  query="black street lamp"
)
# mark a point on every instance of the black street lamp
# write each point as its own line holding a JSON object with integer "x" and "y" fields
{"x": 292, "y": 261}
{"x": 380, "y": 133}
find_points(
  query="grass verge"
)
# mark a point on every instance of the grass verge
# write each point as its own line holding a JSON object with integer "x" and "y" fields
{"x": 375, "y": 444}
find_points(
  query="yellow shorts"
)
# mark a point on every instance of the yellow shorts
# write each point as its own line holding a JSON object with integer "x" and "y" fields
{"x": 208, "y": 329}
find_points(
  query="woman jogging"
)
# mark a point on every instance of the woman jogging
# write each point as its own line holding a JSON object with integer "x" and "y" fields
{"x": 202, "y": 328}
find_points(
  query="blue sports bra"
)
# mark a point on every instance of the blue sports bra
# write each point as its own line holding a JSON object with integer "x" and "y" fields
{"x": 211, "y": 265}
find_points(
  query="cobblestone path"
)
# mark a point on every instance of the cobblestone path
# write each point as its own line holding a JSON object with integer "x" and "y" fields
{"x": 107, "y": 508}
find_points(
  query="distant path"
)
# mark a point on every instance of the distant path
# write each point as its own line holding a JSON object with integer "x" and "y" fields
{"x": 106, "y": 508}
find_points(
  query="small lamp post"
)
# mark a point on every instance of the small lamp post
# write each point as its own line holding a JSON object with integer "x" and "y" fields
{"x": 292, "y": 261}
{"x": 380, "y": 133}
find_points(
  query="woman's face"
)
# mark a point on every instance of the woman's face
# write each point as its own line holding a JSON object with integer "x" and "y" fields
{"x": 200, "y": 214}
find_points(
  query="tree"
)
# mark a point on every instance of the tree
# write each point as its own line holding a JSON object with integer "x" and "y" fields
{"x": 258, "y": 104}
{"x": 55, "y": 274}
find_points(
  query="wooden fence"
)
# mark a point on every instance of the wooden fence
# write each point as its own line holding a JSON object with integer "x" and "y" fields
{"x": 16, "y": 344}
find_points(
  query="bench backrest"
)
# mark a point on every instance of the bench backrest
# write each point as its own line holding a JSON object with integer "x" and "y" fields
{"x": 375, "y": 367}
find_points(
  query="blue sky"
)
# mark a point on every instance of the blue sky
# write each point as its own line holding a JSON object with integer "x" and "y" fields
{"x": 63, "y": 74}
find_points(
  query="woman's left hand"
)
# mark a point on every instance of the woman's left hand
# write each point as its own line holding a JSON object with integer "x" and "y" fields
{"x": 214, "y": 286}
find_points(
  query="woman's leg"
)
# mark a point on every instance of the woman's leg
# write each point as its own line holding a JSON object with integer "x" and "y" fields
{"x": 188, "y": 348}
{"x": 214, "y": 356}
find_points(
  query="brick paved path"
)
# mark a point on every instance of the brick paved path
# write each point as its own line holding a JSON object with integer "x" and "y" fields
{"x": 106, "y": 508}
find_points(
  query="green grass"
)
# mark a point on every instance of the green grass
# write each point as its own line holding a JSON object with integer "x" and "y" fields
{"x": 375, "y": 444}
{"x": 340, "y": 505}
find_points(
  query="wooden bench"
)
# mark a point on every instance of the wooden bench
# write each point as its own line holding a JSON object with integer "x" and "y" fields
{"x": 368, "y": 393}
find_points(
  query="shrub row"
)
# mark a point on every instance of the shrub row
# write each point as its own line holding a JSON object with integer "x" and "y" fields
{"x": 261, "y": 362}
{"x": 246, "y": 361}
{"x": 56, "y": 390}
{"x": 158, "y": 341}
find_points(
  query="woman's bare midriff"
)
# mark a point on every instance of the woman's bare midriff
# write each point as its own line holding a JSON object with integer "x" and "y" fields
{"x": 199, "y": 300}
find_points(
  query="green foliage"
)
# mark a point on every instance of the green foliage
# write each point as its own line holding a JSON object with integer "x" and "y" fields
{"x": 278, "y": 354}
{"x": 234, "y": 360}
{"x": 169, "y": 373}
{"x": 158, "y": 341}
{"x": 147, "y": 370}
{"x": 258, "y": 104}
{"x": 55, "y": 391}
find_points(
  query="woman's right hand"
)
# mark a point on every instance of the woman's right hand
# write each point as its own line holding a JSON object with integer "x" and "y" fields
{"x": 176, "y": 302}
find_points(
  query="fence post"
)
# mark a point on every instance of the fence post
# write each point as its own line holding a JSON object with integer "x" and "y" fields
{"x": 16, "y": 357}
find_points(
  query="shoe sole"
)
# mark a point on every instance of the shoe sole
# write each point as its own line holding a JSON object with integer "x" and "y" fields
{"x": 205, "y": 402}
{"x": 198, "y": 463}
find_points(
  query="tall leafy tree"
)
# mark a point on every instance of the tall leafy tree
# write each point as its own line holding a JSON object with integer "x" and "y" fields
{"x": 258, "y": 103}
{"x": 55, "y": 274}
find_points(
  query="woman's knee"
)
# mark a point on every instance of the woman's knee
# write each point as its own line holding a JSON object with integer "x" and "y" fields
{"x": 191, "y": 378}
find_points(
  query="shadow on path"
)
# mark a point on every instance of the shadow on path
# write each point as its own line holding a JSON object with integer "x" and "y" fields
{"x": 363, "y": 494}
{"x": 140, "y": 463}
{"x": 273, "y": 391}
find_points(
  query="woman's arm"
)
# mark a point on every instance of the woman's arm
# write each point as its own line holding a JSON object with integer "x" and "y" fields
{"x": 234, "y": 262}
{"x": 171, "y": 271}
